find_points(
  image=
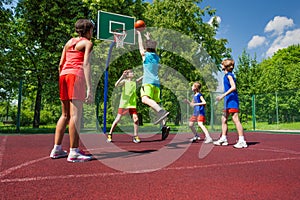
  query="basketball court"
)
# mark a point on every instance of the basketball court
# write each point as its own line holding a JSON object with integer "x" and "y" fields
{"x": 267, "y": 169}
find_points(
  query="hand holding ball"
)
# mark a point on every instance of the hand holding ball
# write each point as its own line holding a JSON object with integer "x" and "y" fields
{"x": 140, "y": 25}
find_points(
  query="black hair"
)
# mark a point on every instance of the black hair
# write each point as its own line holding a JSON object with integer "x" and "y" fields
{"x": 83, "y": 26}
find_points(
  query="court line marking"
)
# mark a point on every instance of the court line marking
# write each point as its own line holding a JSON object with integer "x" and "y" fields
{"x": 10, "y": 170}
{"x": 40, "y": 178}
{"x": 276, "y": 150}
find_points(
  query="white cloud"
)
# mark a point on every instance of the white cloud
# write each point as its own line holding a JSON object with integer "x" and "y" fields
{"x": 278, "y": 25}
{"x": 217, "y": 18}
{"x": 256, "y": 41}
{"x": 290, "y": 38}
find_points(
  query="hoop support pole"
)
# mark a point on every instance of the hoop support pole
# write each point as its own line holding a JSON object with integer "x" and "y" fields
{"x": 106, "y": 85}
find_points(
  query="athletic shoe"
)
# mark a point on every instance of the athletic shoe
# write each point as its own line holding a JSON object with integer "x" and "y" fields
{"x": 58, "y": 154}
{"x": 109, "y": 138}
{"x": 195, "y": 138}
{"x": 208, "y": 140}
{"x": 161, "y": 115}
{"x": 136, "y": 139}
{"x": 165, "y": 132}
{"x": 78, "y": 157}
{"x": 221, "y": 142}
{"x": 240, "y": 144}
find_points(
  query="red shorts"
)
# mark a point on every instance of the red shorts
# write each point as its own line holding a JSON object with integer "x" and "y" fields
{"x": 199, "y": 118}
{"x": 231, "y": 110}
{"x": 72, "y": 87}
{"x": 124, "y": 111}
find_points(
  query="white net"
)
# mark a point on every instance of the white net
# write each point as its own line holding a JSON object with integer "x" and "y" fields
{"x": 119, "y": 37}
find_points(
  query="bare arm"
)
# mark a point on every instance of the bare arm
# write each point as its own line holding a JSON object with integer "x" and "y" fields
{"x": 63, "y": 58}
{"x": 87, "y": 70}
{"x": 140, "y": 41}
{"x": 139, "y": 79}
{"x": 121, "y": 80}
{"x": 192, "y": 104}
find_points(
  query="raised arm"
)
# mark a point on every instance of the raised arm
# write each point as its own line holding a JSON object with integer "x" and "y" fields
{"x": 140, "y": 41}
{"x": 139, "y": 79}
{"x": 121, "y": 81}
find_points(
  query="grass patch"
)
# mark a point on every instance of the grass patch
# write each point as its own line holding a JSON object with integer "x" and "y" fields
{"x": 150, "y": 128}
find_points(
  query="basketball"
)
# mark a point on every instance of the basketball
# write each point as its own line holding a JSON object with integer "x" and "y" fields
{"x": 140, "y": 25}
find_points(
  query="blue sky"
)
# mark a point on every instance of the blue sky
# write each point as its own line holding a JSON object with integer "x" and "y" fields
{"x": 258, "y": 26}
{"x": 261, "y": 27}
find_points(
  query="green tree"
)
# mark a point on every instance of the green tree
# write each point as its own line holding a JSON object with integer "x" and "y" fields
{"x": 247, "y": 74}
{"x": 9, "y": 75}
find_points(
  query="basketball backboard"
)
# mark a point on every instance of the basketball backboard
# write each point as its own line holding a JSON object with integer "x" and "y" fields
{"x": 108, "y": 22}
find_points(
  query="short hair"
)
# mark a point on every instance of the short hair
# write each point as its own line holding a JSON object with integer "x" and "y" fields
{"x": 83, "y": 26}
{"x": 197, "y": 85}
{"x": 150, "y": 45}
{"x": 228, "y": 64}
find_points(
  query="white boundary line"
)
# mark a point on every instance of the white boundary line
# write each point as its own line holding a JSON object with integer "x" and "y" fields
{"x": 10, "y": 170}
{"x": 40, "y": 178}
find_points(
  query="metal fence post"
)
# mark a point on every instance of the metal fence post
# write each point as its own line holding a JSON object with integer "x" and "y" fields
{"x": 253, "y": 113}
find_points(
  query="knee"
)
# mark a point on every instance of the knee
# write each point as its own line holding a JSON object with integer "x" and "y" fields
{"x": 224, "y": 120}
{"x": 65, "y": 117}
{"x": 145, "y": 99}
{"x": 135, "y": 119}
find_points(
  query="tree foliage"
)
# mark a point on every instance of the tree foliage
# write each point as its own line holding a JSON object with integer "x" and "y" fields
{"x": 274, "y": 82}
{"x": 38, "y": 29}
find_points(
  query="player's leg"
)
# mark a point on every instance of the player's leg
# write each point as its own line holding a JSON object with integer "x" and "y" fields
{"x": 115, "y": 123}
{"x": 223, "y": 139}
{"x": 75, "y": 154}
{"x": 207, "y": 139}
{"x": 61, "y": 125}
{"x": 113, "y": 126}
{"x": 241, "y": 142}
{"x": 151, "y": 103}
{"x": 193, "y": 129}
{"x": 74, "y": 123}
{"x": 135, "y": 119}
{"x": 151, "y": 96}
{"x": 62, "y": 122}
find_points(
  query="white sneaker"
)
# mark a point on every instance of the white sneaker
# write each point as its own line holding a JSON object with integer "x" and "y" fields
{"x": 195, "y": 138}
{"x": 58, "y": 154}
{"x": 221, "y": 142}
{"x": 208, "y": 140}
{"x": 240, "y": 144}
{"x": 78, "y": 157}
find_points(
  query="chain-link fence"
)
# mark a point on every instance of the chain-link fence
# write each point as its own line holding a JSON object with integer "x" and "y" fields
{"x": 270, "y": 111}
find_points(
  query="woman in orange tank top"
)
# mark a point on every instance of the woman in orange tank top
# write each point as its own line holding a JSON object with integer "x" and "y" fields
{"x": 74, "y": 90}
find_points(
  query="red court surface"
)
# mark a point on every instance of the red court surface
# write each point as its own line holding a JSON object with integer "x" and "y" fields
{"x": 268, "y": 169}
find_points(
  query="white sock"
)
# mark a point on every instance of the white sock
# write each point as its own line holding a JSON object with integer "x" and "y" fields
{"x": 57, "y": 147}
{"x": 241, "y": 138}
{"x": 223, "y": 137}
{"x": 74, "y": 150}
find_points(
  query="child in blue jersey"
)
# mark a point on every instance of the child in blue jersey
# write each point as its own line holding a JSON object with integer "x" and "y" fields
{"x": 150, "y": 91}
{"x": 231, "y": 106}
{"x": 198, "y": 103}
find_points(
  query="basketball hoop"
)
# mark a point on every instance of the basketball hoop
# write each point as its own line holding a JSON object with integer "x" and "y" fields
{"x": 119, "y": 37}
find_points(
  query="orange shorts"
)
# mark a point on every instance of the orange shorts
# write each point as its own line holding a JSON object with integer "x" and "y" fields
{"x": 72, "y": 87}
{"x": 199, "y": 118}
{"x": 231, "y": 110}
{"x": 124, "y": 111}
